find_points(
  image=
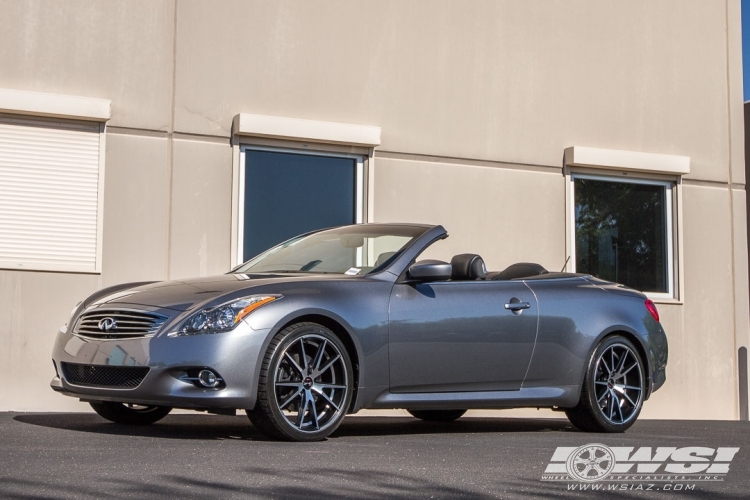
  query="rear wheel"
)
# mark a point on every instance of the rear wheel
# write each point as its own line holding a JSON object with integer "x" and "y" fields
{"x": 305, "y": 385}
{"x": 125, "y": 413}
{"x": 613, "y": 388}
{"x": 437, "y": 415}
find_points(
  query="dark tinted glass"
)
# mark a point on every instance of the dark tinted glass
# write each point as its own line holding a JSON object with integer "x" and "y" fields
{"x": 621, "y": 233}
{"x": 288, "y": 194}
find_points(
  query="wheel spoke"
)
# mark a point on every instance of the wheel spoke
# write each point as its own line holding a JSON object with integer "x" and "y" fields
{"x": 599, "y": 468}
{"x": 289, "y": 400}
{"x": 319, "y": 355}
{"x": 330, "y": 386}
{"x": 599, "y": 400}
{"x": 626, "y": 371}
{"x": 325, "y": 396}
{"x": 302, "y": 410}
{"x": 619, "y": 409}
{"x": 631, "y": 387}
{"x": 620, "y": 364}
{"x": 294, "y": 364}
{"x": 625, "y": 395}
{"x": 314, "y": 410}
{"x": 318, "y": 373}
{"x": 288, "y": 384}
{"x": 611, "y": 404}
{"x": 304, "y": 356}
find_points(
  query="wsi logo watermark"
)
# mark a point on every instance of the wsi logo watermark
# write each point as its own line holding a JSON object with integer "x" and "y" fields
{"x": 596, "y": 462}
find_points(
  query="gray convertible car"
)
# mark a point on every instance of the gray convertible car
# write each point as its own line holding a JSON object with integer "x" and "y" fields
{"x": 337, "y": 320}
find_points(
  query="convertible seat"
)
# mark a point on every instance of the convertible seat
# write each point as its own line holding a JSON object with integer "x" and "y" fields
{"x": 467, "y": 266}
{"x": 519, "y": 270}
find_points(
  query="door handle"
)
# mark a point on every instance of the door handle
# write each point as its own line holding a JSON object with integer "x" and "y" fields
{"x": 517, "y": 306}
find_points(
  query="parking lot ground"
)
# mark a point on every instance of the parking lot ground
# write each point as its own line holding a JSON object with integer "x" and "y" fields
{"x": 79, "y": 455}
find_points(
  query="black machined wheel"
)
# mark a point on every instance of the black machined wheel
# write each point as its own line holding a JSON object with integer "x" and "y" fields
{"x": 437, "y": 415}
{"x": 613, "y": 390}
{"x": 305, "y": 384}
{"x": 131, "y": 414}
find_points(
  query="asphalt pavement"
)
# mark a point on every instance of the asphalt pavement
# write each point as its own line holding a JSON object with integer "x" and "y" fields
{"x": 79, "y": 455}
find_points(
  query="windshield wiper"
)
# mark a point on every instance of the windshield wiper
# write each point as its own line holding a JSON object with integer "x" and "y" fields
{"x": 310, "y": 265}
{"x": 279, "y": 271}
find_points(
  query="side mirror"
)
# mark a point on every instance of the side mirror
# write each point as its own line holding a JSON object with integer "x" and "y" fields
{"x": 429, "y": 270}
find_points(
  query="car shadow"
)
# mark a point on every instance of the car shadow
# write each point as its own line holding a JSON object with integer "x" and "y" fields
{"x": 217, "y": 427}
{"x": 392, "y": 426}
{"x": 179, "y": 426}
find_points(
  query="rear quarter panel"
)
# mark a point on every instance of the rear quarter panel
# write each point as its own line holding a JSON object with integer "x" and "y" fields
{"x": 574, "y": 315}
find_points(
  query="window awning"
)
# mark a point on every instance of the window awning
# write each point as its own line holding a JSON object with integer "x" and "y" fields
{"x": 297, "y": 129}
{"x": 627, "y": 160}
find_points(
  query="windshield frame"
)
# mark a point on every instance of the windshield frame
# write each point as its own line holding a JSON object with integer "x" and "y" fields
{"x": 413, "y": 231}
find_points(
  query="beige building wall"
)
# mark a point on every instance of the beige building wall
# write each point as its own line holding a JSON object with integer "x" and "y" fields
{"x": 476, "y": 104}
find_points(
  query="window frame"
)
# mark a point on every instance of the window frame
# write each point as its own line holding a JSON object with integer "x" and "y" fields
{"x": 673, "y": 222}
{"x": 238, "y": 232}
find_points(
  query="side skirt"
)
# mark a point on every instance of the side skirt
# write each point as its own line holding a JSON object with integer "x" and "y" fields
{"x": 544, "y": 397}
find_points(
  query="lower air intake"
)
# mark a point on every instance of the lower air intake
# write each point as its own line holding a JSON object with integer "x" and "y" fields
{"x": 128, "y": 377}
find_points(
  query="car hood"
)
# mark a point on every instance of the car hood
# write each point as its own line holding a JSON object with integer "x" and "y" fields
{"x": 181, "y": 295}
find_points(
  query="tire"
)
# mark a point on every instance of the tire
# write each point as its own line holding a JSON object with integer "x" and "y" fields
{"x": 613, "y": 388}
{"x": 122, "y": 413}
{"x": 437, "y": 415}
{"x": 305, "y": 386}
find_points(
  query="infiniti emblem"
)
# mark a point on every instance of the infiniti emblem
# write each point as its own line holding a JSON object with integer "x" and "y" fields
{"x": 107, "y": 324}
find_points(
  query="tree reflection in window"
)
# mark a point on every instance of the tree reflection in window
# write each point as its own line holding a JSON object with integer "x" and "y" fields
{"x": 621, "y": 232}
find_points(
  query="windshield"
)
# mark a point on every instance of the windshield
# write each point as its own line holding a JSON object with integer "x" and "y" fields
{"x": 352, "y": 250}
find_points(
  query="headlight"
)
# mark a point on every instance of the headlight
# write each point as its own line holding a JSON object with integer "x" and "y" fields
{"x": 223, "y": 317}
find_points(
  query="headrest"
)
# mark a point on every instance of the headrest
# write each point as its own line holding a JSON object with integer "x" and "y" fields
{"x": 467, "y": 266}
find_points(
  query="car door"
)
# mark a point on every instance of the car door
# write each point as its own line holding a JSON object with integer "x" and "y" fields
{"x": 461, "y": 336}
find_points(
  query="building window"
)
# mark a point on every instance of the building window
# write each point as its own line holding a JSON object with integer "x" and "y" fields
{"x": 293, "y": 175}
{"x": 286, "y": 192}
{"x": 623, "y": 231}
{"x": 51, "y": 181}
{"x": 51, "y": 178}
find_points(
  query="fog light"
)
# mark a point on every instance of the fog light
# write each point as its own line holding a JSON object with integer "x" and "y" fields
{"x": 207, "y": 378}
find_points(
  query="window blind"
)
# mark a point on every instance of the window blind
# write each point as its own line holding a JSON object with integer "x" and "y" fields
{"x": 49, "y": 194}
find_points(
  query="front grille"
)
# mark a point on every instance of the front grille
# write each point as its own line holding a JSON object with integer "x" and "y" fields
{"x": 128, "y": 377}
{"x": 118, "y": 324}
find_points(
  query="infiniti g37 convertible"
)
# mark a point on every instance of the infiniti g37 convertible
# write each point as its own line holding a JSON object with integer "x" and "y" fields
{"x": 337, "y": 320}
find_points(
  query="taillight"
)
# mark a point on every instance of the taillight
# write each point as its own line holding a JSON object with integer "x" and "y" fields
{"x": 652, "y": 309}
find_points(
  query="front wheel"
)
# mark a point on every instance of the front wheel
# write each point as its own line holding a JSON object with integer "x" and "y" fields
{"x": 437, "y": 415}
{"x": 613, "y": 389}
{"x": 122, "y": 413}
{"x": 305, "y": 387}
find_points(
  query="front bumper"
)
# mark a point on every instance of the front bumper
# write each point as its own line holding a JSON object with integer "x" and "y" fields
{"x": 234, "y": 355}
